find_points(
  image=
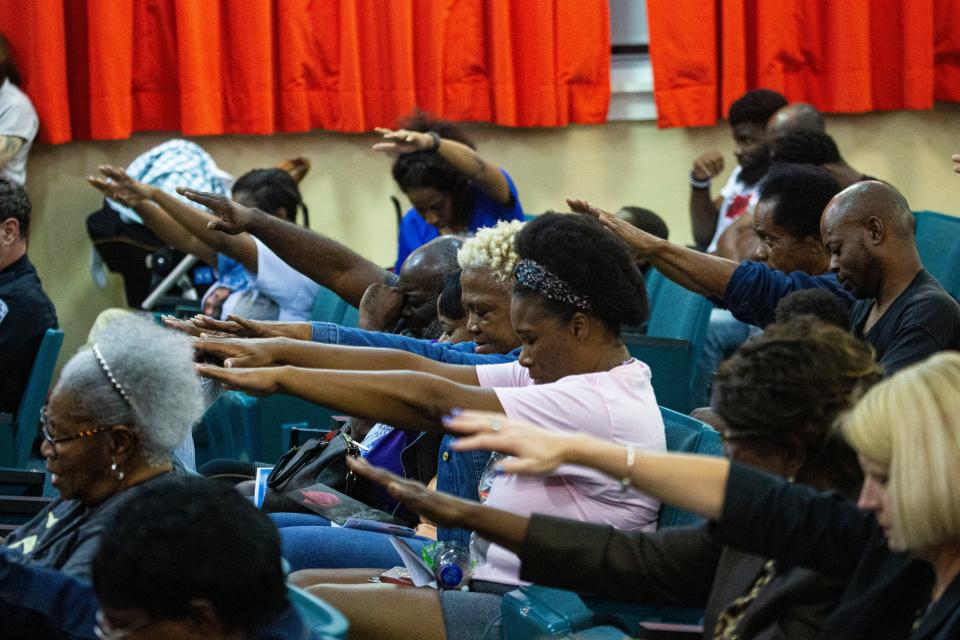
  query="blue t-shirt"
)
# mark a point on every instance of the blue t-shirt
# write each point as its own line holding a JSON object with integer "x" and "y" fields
{"x": 755, "y": 289}
{"x": 416, "y": 232}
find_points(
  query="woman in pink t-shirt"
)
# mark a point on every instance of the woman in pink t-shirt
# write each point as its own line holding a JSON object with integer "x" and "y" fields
{"x": 575, "y": 284}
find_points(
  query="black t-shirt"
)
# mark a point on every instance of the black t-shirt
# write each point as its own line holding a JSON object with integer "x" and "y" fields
{"x": 25, "y": 314}
{"x": 923, "y": 320}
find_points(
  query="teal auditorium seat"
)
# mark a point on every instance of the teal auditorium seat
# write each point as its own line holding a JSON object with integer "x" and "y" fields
{"x": 240, "y": 427}
{"x": 938, "y": 241}
{"x": 18, "y": 437}
{"x": 534, "y": 612}
{"x": 673, "y": 342}
{"x": 319, "y": 616}
{"x": 328, "y": 307}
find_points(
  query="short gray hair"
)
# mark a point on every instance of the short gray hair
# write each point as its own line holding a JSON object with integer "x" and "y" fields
{"x": 154, "y": 367}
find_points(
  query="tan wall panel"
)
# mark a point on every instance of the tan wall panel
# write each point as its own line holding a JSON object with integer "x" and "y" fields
{"x": 348, "y": 188}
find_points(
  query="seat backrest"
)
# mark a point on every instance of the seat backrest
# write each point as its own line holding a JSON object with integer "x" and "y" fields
{"x": 676, "y": 312}
{"x": 28, "y": 414}
{"x": 938, "y": 242}
{"x": 328, "y": 307}
{"x": 319, "y": 616}
{"x": 686, "y": 435}
{"x": 351, "y": 316}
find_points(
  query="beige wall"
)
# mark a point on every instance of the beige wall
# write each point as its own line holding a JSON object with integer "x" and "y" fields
{"x": 348, "y": 188}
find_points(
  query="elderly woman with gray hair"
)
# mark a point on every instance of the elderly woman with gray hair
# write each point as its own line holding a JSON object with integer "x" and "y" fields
{"x": 112, "y": 422}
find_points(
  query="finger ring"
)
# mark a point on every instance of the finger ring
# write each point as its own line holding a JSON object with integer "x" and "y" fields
{"x": 495, "y": 425}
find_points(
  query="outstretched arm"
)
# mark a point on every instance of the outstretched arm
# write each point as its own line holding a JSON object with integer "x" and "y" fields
{"x": 136, "y": 195}
{"x": 323, "y": 260}
{"x": 405, "y": 399}
{"x": 484, "y": 175}
{"x": 694, "y": 483}
{"x": 241, "y": 248}
{"x": 267, "y": 352}
{"x": 700, "y": 272}
{"x": 500, "y": 527}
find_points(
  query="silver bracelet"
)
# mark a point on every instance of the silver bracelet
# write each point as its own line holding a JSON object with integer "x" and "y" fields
{"x": 631, "y": 458}
{"x": 436, "y": 140}
{"x": 699, "y": 184}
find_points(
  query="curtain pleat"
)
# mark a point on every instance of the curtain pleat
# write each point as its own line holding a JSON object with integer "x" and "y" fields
{"x": 855, "y": 56}
{"x": 103, "y": 69}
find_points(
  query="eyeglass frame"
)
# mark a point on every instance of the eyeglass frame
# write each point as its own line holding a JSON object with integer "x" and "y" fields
{"x": 45, "y": 432}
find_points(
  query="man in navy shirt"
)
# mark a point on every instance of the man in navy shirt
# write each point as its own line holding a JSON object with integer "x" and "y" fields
{"x": 867, "y": 230}
{"x": 901, "y": 309}
{"x": 25, "y": 310}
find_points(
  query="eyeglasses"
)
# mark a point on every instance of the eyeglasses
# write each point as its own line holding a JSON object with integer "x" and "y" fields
{"x": 104, "y": 631}
{"x": 45, "y": 430}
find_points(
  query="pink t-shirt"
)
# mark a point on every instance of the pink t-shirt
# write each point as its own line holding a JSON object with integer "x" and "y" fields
{"x": 617, "y": 406}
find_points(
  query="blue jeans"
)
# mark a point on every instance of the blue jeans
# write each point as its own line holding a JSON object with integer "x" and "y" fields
{"x": 319, "y": 547}
{"x": 459, "y": 473}
{"x": 724, "y": 336}
{"x": 309, "y": 542}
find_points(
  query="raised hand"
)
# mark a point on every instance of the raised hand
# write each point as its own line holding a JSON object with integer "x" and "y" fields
{"x": 117, "y": 184}
{"x": 707, "y": 165}
{"x": 439, "y": 508}
{"x": 238, "y": 352}
{"x": 535, "y": 450}
{"x": 401, "y": 141}
{"x": 380, "y": 307}
{"x": 247, "y": 328}
{"x": 256, "y": 382}
{"x": 639, "y": 241}
{"x": 190, "y": 328}
{"x": 579, "y": 205}
{"x": 233, "y": 217}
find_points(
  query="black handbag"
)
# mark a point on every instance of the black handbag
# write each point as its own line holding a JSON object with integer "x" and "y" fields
{"x": 316, "y": 460}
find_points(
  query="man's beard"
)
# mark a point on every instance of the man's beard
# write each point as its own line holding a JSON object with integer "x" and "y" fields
{"x": 752, "y": 175}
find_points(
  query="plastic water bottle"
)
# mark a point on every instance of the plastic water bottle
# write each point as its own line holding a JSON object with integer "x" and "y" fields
{"x": 452, "y": 565}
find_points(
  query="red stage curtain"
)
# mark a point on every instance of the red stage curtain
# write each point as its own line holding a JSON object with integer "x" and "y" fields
{"x": 103, "y": 69}
{"x": 854, "y": 56}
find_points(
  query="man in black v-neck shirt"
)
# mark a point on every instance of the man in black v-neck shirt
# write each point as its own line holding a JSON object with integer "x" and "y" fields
{"x": 902, "y": 311}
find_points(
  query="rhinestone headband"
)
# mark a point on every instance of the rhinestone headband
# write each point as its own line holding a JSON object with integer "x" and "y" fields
{"x": 113, "y": 379}
{"x": 537, "y": 278}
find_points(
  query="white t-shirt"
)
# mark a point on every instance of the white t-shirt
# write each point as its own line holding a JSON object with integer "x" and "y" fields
{"x": 617, "y": 406}
{"x": 17, "y": 118}
{"x": 738, "y": 199}
{"x": 293, "y": 292}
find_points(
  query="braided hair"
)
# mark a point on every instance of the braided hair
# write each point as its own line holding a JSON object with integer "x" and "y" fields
{"x": 791, "y": 385}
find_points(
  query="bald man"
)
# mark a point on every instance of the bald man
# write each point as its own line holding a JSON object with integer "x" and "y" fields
{"x": 797, "y": 133}
{"x": 901, "y": 310}
{"x": 796, "y": 116}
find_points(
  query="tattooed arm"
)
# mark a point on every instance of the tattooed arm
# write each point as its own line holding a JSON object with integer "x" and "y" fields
{"x": 9, "y": 145}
